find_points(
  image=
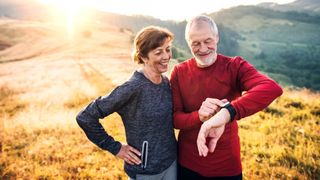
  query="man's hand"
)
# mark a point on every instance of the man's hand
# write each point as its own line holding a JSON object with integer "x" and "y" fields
{"x": 209, "y": 108}
{"x": 214, "y": 134}
{"x": 129, "y": 155}
{"x": 214, "y": 127}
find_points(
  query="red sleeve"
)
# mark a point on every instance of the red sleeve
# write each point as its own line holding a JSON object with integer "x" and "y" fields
{"x": 181, "y": 120}
{"x": 259, "y": 89}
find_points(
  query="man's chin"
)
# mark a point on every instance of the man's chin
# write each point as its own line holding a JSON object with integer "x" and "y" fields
{"x": 204, "y": 62}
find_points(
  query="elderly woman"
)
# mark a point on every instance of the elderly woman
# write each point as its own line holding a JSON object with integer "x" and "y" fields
{"x": 144, "y": 103}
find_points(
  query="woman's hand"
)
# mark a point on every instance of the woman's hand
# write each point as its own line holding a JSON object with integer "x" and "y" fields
{"x": 129, "y": 154}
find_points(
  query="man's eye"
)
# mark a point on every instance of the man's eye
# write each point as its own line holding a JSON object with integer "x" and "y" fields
{"x": 195, "y": 44}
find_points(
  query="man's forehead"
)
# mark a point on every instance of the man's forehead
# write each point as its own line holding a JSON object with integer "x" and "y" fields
{"x": 200, "y": 24}
{"x": 200, "y": 32}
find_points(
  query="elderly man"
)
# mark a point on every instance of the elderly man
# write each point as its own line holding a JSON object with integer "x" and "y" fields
{"x": 211, "y": 92}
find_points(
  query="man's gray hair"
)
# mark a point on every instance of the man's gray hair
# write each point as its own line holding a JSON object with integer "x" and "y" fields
{"x": 197, "y": 19}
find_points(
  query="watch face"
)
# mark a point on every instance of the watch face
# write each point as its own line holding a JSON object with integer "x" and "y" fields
{"x": 225, "y": 104}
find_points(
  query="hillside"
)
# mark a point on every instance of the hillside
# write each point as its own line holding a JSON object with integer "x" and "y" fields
{"x": 306, "y": 6}
{"x": 283, "y": 44}
{"x": 47, "y": 77}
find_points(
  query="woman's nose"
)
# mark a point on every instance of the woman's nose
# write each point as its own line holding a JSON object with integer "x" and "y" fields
{"x": 167, "y": 55}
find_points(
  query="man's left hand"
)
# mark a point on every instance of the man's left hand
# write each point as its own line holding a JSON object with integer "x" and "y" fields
{"x": 214, "y": 134}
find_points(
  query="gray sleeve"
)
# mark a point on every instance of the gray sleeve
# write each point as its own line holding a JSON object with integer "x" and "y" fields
{"x": 88, "y": 118}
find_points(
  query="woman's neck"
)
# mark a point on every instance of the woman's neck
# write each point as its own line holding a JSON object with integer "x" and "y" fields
{"x": 152, "y": 76}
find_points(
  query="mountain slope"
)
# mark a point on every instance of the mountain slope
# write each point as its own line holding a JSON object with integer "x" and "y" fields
{"x": 283, "y": 44}
{"x": 307, "y": 6}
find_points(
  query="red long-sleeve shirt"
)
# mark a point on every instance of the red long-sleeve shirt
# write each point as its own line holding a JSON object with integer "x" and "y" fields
{"x": 228, "y": 78}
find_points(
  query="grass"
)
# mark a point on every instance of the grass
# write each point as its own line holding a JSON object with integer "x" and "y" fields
{"x": 40, "y": 98}
{"x": 282, "y": 142}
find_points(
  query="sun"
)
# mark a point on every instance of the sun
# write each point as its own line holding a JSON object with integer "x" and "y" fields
{"x": 70, "y": 13}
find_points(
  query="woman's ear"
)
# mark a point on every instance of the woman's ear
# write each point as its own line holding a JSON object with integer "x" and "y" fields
{"x": 145, "y": 60}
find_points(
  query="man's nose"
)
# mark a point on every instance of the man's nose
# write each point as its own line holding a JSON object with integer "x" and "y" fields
{"x": 203, "y": 47}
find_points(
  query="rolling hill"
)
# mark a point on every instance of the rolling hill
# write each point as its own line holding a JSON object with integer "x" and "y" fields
{"x": 282, "y": 42}
{"x": 48, "y": 76}
{"x": 307, "y": 6}
{"x": 285, "y": 45}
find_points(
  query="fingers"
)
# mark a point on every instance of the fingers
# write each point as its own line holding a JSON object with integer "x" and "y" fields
{"x": 134, "y": 158}
{"x": 217, "y": 102}
{"x": 134, "y": 151}
{"x": 205, "y": 113}
{"x": 129, "y": 155}
{"x": 212, "y": 104}
{"x": 213, "y": 133}
{"x": 201, "y": 142}
{"x": 210, "y": 107}
{"x": 212, "y": 144}
{"x": 224, "y": 100}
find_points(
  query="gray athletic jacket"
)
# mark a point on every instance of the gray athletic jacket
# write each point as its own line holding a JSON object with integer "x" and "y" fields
{"x": 146, "y": 111}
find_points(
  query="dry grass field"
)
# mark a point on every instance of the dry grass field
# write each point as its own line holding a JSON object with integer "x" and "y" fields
{"x": 46, "y": 77}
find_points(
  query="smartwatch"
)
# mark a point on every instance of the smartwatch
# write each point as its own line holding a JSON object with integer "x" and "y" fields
{"x": 231, "y": 110}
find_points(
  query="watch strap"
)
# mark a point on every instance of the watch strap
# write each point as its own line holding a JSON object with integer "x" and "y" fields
{"x": 231, "y": 109}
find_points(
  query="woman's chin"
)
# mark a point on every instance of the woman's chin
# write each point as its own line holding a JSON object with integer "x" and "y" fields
{"x": 163, "y": 69}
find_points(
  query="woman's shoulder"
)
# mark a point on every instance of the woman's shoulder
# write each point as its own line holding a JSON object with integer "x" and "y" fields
{"x": 134, "y": 82}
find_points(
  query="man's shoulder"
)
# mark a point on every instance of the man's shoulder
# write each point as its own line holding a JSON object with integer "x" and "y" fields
{"x": 185, "y": 64}
{"x": 231, "y": 58}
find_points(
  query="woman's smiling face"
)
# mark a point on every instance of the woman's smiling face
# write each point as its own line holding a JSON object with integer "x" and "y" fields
{"x": 158, "y": 59}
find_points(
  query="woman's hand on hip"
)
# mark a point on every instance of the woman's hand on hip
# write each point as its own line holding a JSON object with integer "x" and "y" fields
{"x": 129, "y": 155}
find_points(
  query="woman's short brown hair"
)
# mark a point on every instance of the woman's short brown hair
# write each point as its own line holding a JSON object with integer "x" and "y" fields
{"x": 147, "y": 39}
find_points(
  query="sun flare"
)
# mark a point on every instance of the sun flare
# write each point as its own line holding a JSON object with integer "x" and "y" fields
{"x": 69, "y": 13}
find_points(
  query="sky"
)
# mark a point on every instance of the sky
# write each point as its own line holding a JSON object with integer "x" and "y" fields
{"x": 164, "y": 9}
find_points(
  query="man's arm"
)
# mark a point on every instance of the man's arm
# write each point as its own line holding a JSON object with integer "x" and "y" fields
{"x": 181, "y": 120}
{"x": 260, "y": 92}
{"x": 259, "y": 89}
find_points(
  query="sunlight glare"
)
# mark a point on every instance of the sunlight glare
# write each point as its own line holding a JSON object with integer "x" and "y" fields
{"x": 69, "y": 13}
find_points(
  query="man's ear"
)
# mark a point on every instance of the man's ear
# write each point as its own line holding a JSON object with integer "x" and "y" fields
{"x": 217, "y": 37}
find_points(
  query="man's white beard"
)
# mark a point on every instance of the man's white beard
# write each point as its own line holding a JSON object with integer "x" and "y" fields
{"x": 206, "y": 62}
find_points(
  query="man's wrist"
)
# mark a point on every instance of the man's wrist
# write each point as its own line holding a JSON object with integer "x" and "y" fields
{"x": 231, "y": 110}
